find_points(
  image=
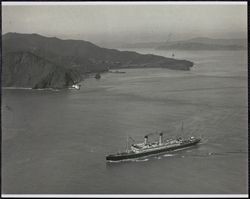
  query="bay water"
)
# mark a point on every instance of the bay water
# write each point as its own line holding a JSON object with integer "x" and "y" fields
{"x": 55, "y": 142}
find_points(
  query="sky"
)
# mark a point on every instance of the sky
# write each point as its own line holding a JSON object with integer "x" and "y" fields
{"x": 127, "y": 23}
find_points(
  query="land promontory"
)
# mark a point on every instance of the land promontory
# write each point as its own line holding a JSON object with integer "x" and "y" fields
{"x": 32, "y": 60}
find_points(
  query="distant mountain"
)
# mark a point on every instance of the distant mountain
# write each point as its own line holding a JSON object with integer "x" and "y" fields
{"x": 32, "y": 60}
{"x": 152, "y": 45}
{"x": 203, "y": 43}
{"x": 199, "y": 43}
{"x": 206, "y": 40}
{"x": 198, "y": 46}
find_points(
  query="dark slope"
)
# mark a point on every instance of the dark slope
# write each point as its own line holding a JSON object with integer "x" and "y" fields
{"x": 77, "y": 55}
{"x": 28, "y": 70}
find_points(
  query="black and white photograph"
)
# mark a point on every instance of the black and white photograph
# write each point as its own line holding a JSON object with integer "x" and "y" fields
{"x": 124, "y": 99}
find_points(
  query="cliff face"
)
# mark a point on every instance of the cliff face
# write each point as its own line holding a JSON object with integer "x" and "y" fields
{"x": 31, "y": 60}
{"x": 24, "y": 69}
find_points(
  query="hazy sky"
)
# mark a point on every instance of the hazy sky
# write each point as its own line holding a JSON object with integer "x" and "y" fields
{"x": 127, "y": 23}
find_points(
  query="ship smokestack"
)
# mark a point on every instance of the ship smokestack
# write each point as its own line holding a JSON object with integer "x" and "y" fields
{"x": 160, "y": 138}
{"x": 146, "y": 140}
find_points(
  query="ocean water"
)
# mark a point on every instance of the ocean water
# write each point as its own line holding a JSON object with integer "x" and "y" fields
{"x": 55, "y": 142}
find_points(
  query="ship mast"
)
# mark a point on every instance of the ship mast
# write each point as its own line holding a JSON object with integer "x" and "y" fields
{"x": 127, "y": 144}
{"x": 181, "y": 130}
{"x": 182, "y": 127}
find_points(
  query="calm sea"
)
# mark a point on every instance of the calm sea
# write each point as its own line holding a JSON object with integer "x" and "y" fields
{"x": 55, "y": 142}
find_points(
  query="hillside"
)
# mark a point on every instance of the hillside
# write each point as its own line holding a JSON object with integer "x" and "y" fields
{"x": 28, "y": 70}
{"x": 36, "y": 61}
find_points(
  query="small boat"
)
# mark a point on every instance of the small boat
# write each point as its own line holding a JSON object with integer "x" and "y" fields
{"x": 146, "y": 148}
{"x": 76, "y": 86}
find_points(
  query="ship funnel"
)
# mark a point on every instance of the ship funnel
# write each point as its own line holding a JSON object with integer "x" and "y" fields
{"x": 146, "y": 140}
{"x": 160, "y": 138}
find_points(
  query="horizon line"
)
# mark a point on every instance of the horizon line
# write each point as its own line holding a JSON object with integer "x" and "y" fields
{"x": 58, "y": 37}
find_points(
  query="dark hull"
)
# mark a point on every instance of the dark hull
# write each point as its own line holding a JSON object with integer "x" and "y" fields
{"x": 132, "y": 155}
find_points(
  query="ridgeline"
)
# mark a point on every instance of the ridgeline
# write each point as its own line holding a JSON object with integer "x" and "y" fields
{"x": 35, "y": 61}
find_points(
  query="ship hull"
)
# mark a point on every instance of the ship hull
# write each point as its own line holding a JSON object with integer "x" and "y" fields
{"x": 126, "y": 156}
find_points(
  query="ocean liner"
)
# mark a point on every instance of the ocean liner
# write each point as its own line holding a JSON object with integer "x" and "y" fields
{"x": 153, "y": 148}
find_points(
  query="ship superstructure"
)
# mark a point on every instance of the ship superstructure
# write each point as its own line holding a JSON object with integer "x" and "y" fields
{"x": 149, "y": 148}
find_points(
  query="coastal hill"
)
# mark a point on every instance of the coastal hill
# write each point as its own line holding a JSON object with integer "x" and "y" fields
{"x": 198, "y": 43}
{"x": 25, "y": 69}
{"x": 32, "y": 60}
